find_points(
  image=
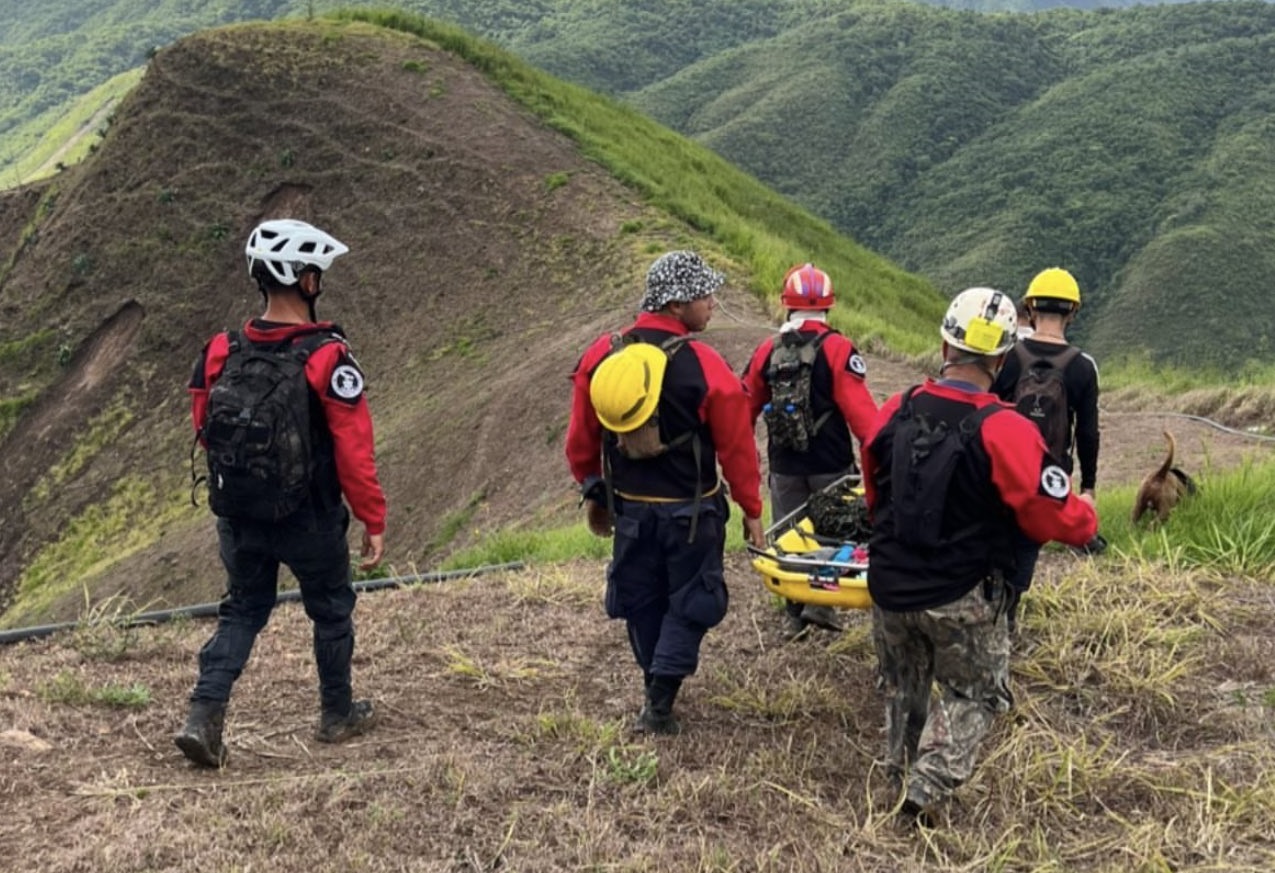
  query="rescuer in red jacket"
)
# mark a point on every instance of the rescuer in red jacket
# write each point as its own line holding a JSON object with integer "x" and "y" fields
{"x": 279, "y": 499}
{"x": 668, "y": 510}
{"x": 837, "y": 403}
{"x": 952, "y": 474}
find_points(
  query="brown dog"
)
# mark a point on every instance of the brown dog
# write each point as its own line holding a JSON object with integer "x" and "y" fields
{"x": 1163, "y": 489}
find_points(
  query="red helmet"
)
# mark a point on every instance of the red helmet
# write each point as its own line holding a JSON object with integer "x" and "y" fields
{"x": 807, "y": 287}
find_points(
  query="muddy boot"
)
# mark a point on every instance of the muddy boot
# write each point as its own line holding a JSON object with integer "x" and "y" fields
{"x": 656, "y": 716}
{"x": 821, "y": 616}
{"x": 795, "y": 626}
{"x": 335, "y": 727}
{"x": 200, "y": 740}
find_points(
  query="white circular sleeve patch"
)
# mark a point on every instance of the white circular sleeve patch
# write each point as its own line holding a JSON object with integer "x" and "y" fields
{"x": 1055, "y": 482}
{"x": 347, "y": 382}
{"x": 857, "y": 365}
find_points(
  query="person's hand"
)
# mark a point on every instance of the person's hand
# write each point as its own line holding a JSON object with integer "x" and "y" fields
{"x": 1087, "y": 497}
{"x": 598, "y": 517}
{"x": 753, "y": 532}
{"x": 372, "y": 551}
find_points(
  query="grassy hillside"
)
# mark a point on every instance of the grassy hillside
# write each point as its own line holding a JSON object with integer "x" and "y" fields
{"x": 1129, "y": 145}
{"x": 982, "y": 148}
{"x": 471, "y": 216}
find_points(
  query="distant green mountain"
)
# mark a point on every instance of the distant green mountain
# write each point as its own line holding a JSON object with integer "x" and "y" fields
{"x": 1133, "y": 147}
{"x": 1130, "y": 145}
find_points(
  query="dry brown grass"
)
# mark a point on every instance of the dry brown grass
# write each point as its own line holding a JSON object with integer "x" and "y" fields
{"x": 1141, "y": 740}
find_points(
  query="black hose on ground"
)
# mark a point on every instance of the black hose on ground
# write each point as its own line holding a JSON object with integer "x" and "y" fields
{"x": 205, "y": 610}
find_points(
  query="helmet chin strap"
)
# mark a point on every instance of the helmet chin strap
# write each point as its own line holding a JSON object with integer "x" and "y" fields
{"x": 311, "y": 299}
{"x": 986, "y": 363}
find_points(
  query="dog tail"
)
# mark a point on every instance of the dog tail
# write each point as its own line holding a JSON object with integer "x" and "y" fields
{"x": 1168, "y": 461}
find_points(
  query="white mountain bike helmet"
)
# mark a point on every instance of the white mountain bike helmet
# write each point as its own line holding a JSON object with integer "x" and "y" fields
{"x": 285, "y": 246}
{"x": 983, "y": 321}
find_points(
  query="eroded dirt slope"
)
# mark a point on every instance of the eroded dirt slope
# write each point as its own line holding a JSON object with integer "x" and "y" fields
{"x": 462, "y": 294}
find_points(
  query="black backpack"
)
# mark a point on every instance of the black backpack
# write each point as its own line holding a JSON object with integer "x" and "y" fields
{"x": 646, "y": 441}
{"x": 258, "y": 431}
{"x": 925, "y": 455}
{"x": 790, "y": 420}
{"x": 1041, "y": 396}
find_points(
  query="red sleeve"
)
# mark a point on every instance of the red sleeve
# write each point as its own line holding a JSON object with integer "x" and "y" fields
{"x": 335, "y": 377}
{"x": 867, "y": 461}
{"x": 207, "y": 370}
{"x": 584, "y": 431}
{"x": 726, "y": 411}
{"x": 1037, "y": 490}
{"x": 754, "y": 379}
{"x": 850, "y": 386}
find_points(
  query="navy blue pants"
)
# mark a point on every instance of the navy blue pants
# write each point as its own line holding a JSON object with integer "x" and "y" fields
{"x": 669, "y": 591}
{"x": 313, "y": 546}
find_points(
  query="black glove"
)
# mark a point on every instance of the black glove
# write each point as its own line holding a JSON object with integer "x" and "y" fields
{"x": 1095, "y": 546}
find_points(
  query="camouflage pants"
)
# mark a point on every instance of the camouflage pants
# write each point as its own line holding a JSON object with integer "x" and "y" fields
{"x": 962, "y": 646}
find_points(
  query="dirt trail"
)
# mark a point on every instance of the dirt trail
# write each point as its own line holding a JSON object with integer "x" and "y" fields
{"x": 86, "y": 129}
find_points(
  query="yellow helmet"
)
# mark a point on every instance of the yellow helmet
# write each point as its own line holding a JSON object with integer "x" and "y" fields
{"x": 625, "y": 389}
{"x": 1054, "y": 284}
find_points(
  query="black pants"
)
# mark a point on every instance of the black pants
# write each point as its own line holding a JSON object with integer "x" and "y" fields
{"x": 313, "y": 546}
{"x": 669, "y": 591}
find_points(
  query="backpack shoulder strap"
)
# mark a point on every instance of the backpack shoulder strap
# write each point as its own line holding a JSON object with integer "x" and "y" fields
{"x": 1071, "y": 353}
{"x": 676, "y": 343}
{"x": 973, "y": 423}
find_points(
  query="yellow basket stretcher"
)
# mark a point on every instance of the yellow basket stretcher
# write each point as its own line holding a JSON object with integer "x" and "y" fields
{"x": 800, "y": 565}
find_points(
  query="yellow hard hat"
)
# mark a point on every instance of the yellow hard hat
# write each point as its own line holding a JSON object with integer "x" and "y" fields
{"x": 1055, "y": 284}
{"x": 625, "y": 389}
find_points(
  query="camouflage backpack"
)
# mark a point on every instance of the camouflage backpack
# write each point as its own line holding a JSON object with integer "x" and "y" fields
{"x": 258, "y": 431}
{"x": 790, "y": 420}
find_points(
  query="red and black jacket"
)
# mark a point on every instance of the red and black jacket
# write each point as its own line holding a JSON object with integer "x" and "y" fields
{"x": 1004, "y": 481}
{"x": 347, "y": 462}
{"x": 837, "y": 382}
{"x": 700, "y": 392}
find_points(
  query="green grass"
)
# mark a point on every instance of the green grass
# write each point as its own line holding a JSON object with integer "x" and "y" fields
{"x": 554, "y": 545}
{"x": 532, "y": 546}
{"x": 1226, "y": 527}
{"x": 68, "y": 688}
{"x": 100, "y": 536}
{"x": 39, "y": 140}
{"x": 1140, "y": 372}
{"x": 755, "y": 227}
{"x": 102, "y": 431}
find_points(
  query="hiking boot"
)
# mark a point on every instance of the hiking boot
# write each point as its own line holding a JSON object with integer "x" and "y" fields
{"x": 917, "y": 815}
{"x": 200, "y": 739}
{"x": 337, "y": 728}
{"x": 821, "y": 616}
{"x": 794, "y": 627}
{"x": 656, "y": 716}
{"x": 651, "y": 722}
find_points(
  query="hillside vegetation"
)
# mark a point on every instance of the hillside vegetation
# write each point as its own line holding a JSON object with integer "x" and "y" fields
{"x": 1132, "y": 146}
{"x": 471, "y": 217}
